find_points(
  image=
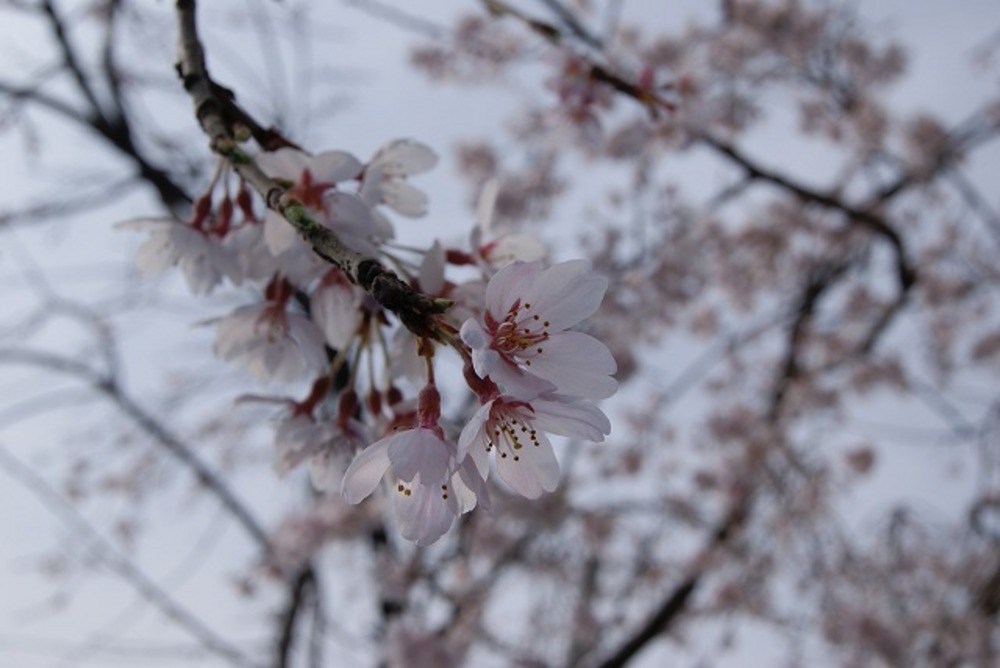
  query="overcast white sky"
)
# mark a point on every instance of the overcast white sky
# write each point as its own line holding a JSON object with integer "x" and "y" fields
{"x": 385, "y": 99}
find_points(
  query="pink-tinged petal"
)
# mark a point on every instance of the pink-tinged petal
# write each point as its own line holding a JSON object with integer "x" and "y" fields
{"x": 470, "y": 487}
{"x": 279, "y": 361}
{"x": 424, "y": 515}
{"x": 530, "y": 470}
{"x": 246, "y": 244}
{"x": 381, "y": 226}
{"x": 576, "y": 419}
{"x": 485, "y": 361}
{"x": 485, "y": 209}
{"x": 405, "y": 157}
{"x": 480, "y": 458}
{"x": 156, "y": 254}
{"x": 565, "y": 294}
{"x": 348, "y": 212}
{"x": 473, "y": 437}
{"x": 279, "y": 235}
{"x": 201, "y": 277}
{"x": 432, "y": 270}
{"x": 577, "y": 364}
{"x": 404, "y": 358}
{"x": 236, "y": 331}
{"x": 335, "y": 310}
{"x": 509, "y": 285}
{"x": 371, "y": 185}
{"x": 365, "y": 472}
{"x": 334, "y": 167}
{"x": 419, "y": 451}
{"x": 325, "y": 469}
{"x": 285, "y": 163}
{"x": 297, "y": 438}
{"x": 473, "y": 335}
{"x": 515, "y": 247}
{"x": 404, "y": 198}
{"x": 224, "y": 260}
{"x": 515, "y": 382}
{"x": 309, "y": 339}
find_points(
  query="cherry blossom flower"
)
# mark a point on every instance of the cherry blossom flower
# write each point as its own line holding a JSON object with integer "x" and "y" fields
{"x": 325, "y": 445}
{"x": 523, "y": 344}
{"x": 272, "y": 342}
{"x": 305, "y": 433}
{"x": 384, "y": 180}
{"x": 514, "y": 430}
{"x": 201, "y": 256}
{"x": 309, "y": 175}
{"x": 496, "y": 249}
{"x": 430, "y": 488}
{"x": 313, "y": 180}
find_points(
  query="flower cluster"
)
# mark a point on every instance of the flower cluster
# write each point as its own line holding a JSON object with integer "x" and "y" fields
{"x": 532, "y": 376}
{"x": 512, "y": 322}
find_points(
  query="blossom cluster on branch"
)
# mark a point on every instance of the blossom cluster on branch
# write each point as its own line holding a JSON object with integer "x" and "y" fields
{"x": 510, "y": 322}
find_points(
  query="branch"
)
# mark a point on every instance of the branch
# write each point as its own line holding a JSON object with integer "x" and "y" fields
{"x": 649, "y": 99}
{"x": 160, "y": 434}
{"x": 52, "y": 104}
{"x": 71, "y": 204}
{"x": 573, "y": 24}
{"x": 70, "y": 59}
{"x": 822, "y": 280}
{"x": 677, "y": 599}
{"x": 119, "y": 563}
{"x": 113, "y": 127}
{"x": 303, "y": 587}
{"x": 220, "y": 119}
{"x": 905, "y": 272}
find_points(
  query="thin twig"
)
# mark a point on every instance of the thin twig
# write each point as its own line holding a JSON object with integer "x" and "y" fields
{"x": 676, "y": 601}
{"x": 160, "y": 434}
{"x": 119, "y": 563}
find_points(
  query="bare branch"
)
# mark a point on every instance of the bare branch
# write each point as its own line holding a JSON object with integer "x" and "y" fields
{"x": 71, "y": 60}
{"x": 160, "y": 434}
{"x": 120, "y": 564}
{"x": 302, "y": 587}
{"x": 676, "y": 601}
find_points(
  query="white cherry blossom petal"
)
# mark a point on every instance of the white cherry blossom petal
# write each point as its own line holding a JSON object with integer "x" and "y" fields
{"x": 424, "y": 512}
{"x": 404, "y": 198}
{"x": 576, "y": 419}
{"x": 577, "y": 364}
{"x": 469, "y": 484}
{"x": 419, "y": 452}
{"x": 334, "y": 167}
{"x": 473, "y": 335}
{"x": 334, "y": 307}
{"x": 508, "y": 285}
{"x": 530, "y": 471}
{"x": 365, "y": 472}
{"x": 472, "y": 435}
{"x": 513, "y": 380}
{"x": 405, "y": 157}
{"x": 432, "y": 270}
{"x": 566, "y": 293}
{"x": 285, "y": 163}
{"x": 515, "y": 247}
{"x": 279, "y": 235}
